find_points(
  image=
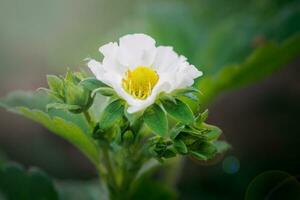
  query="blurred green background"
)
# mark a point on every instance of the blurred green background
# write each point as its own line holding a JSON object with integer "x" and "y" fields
{"x": 260, "y": 120}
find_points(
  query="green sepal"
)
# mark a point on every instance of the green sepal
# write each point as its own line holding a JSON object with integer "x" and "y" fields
{"x": 155, "y": 118}
{"x": 137, "y": 124}
{"x": 179, "y": 111}
{"x": 167, "y": 97}
{"x": 71, "y": 92}
{"x": 72, "y": 77}
{"x": 197, "y": 155}
{"x": 201, "y": 118}
{"x": 202, "y": 150}
{"x": 53, "y": 96}
{"x": 161, "y": 148}
{"x": 169, "y": 153}
{"x": 190, "y": 93}
{"x": 133, "y": 117}
{"x": 212, "y": 132}
{"x": 98, "y": 133}
{"x": 105, "y": 91}
{"x": 92, "y": 83}
{"x": 189, "y": 139}
{"x": 107, "y": 136}
{"x": 176, "y": 130}
{"x": 194, "y": 132}
{"x": 180, "y": 146}
{"x": 183, "y": 91}
{"x": 56, "y": 84}
{"x": 191, "y": 96}
{"x": 209, "y": 131}
{"x": 128, "y": 137}
{"x": 76, "y": 95}
{"x": 112, "y": 114}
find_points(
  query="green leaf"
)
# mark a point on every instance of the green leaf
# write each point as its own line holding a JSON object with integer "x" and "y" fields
{"x": 197, "y": 155}
{"x": 55, "y": 84}
{"x": 201, "y": 118}
{"x": 38, "y": 100}
{"x": 156, "y": 119}
{"x": 112, "y": 114}
{"x": 212, "y": 132}
{"x": 105, "y": 91}
{"x": 62, "y": 106}
{"x": 203, "y": 150}
{"x": 194, "y": 132}
{"x": 176, "y": 130}
{"x": 67, "y": 130}
{"x": 92, "y": 84}
{"x": 169, "y": 153}
{"x": 72, "y": 127}
{"x": 180, "y": 146}
{"x": 260, "y": 64}
{"x": 179, "y": 111}
{"x": 89, "y": 190}
{"x": 32, "y": 100}
{"x": 148, "y": 189}
{"x": 190, "y": 139}
{"x": 17, "y": 183}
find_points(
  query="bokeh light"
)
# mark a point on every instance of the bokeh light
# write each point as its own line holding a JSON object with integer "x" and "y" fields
{"x": 231, "y": 165}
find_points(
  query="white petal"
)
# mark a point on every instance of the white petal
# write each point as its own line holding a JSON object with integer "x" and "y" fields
{"x": 185, "y": 75}
{"x": 136, "y": 50}
{"x": 137, "y": 42}
{"x": 165, "y": 59}
{"x": 96, "y": 68}
{"x": 109, "y": 50}
{"x": 110, "y": 61}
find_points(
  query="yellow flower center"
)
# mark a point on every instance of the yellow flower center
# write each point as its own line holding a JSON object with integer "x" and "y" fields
{"x": 140, "y": 82}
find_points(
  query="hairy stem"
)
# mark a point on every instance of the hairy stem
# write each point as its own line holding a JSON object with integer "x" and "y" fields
{"x": 88, "y": 118}
{"x": 111, "y": 174}
{"x": 173, "y": 173}
{"x": 100, "y": 167}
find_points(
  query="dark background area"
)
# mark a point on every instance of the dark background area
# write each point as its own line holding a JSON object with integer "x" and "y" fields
{"x": 260, "y": 121}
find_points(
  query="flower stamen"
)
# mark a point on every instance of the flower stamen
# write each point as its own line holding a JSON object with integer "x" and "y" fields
{"x": 140, "y": 82}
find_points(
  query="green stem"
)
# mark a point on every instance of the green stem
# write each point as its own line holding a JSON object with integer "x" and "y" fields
{"x": 172, "y": 174}
{"x": 88, "y": 118}
{"x": 100, "y": 167}
{"x": 111, "y": 174}
{"x": 101, "y": 170}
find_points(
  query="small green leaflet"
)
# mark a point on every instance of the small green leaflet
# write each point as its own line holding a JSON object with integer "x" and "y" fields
{"x": 180, "y": 146}
{"x": 105, "y": 91}
{"x": 92, "y": 84}
{"x": 179, "y": 111}
{"x": 156, "y": 120}
{"x": 112, "y": 114}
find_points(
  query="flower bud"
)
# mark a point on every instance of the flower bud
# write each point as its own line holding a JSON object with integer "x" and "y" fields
{"x": 68, "y": 93}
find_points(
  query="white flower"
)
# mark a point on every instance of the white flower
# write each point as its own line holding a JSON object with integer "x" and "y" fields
{"x": 138, "y": 70}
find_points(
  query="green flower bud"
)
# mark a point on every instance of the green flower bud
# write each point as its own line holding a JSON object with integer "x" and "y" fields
{"x": 67, "y": 93}
{"x": 162, "y": 148}
{"x": 77, "y": 95}
{"x": 128, "y": 137}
